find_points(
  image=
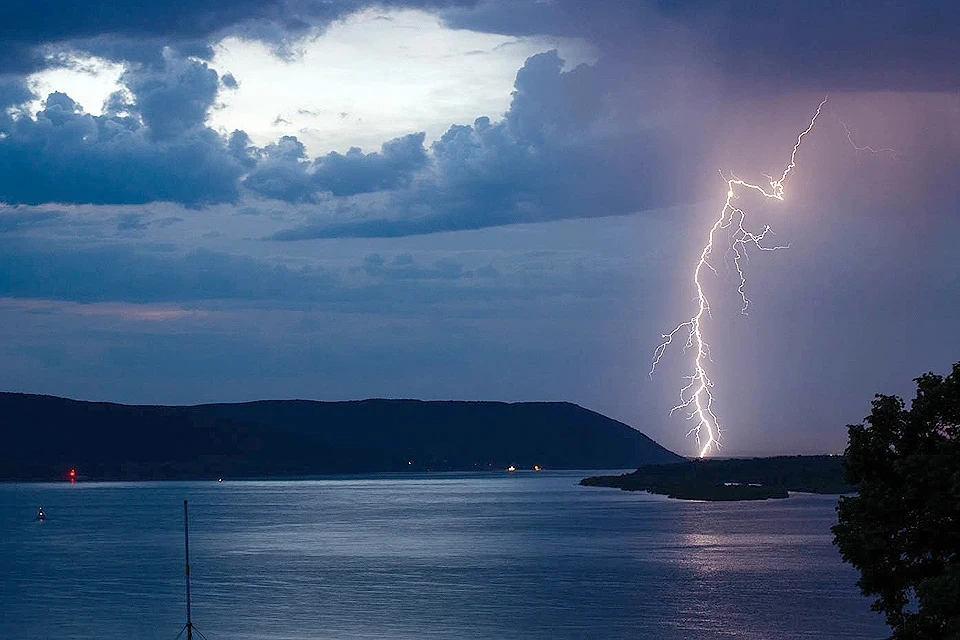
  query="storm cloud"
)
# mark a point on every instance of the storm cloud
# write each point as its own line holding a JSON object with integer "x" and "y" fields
{"x": 771, "y": 46}
{"x": 604, "y": 123}
{"x": 519, "y": 169}
{"x": 131, "y": 30}
{"x": 285, "y": 173}
{"x": 67, "y": 156}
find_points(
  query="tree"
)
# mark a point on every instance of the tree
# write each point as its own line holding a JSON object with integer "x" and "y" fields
{"x": 902, "y": 529}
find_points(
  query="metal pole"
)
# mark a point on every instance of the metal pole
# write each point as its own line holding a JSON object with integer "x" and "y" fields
{"x": 186, "y": 546}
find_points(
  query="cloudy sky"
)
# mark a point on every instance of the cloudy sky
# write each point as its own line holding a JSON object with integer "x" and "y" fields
{"x": 478, "y": 199}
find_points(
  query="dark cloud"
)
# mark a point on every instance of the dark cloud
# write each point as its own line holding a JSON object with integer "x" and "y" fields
{"x": 122, "y": 273}
{"x": 403, "y": 266}
{"x": 123, "y": 26}
{"x": 285, "y": 173}
{"x": 17, "y": 220}
{"x": 65, "y": 155}
{"x": 778, "y": 45}
{"x": 282, "y": 171}
{"x": 132, "y": 222}
{"x": 229, "y": 81}
{"x": 168, "y": 221}
{"x": 151, "y": 144}
{"x": 834, "y": 44}
{"x": 136, "y": 273}
{"x": 543, "y": 161}
{"x": 13, "y": 91}
{"x": 56, "y": 20}
{"x": 596, "y": 140}
{"x": 133, "y": 30}
{"x": 356, "y": 172}
{"x": 242, "y": 150}
{"x": 149, "y": 50}
{"x": 174, "y": 98}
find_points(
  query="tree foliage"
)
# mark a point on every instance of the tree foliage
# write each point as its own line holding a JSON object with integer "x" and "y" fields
{"x": 902, "y": 529}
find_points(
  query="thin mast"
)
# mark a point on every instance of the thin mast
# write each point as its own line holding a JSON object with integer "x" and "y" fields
{"x": 186, "y": 547}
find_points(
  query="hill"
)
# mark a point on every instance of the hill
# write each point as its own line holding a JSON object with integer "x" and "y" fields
{"x": 43, "y": 436}
{"x": 734, "y": 479}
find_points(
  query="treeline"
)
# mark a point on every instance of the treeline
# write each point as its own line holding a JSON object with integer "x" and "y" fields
{"x": 734, "y": 479}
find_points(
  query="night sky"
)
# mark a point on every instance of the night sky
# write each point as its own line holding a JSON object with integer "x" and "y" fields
{"x": 499, "y": 200}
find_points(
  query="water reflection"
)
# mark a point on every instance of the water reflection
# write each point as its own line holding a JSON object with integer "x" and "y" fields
{"x": 526, "y": 554}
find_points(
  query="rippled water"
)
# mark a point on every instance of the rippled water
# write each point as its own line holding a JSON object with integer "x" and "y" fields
{"x": 440, "y": 556}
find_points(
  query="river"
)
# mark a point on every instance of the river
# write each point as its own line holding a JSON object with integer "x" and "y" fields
{"x": 495, "y": 555}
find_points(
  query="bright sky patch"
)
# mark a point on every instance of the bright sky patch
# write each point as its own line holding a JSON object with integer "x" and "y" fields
{"x": 89, "y": 80}
{"x": 373, "y": 77}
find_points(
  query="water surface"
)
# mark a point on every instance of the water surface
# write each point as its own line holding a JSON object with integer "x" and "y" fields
{"x": 528, "y": 555}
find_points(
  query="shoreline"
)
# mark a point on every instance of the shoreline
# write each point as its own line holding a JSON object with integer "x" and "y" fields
{"x": 735, "y": 479}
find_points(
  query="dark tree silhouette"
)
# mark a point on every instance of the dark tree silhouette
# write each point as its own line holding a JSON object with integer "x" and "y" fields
{"x": 902, "y": 530}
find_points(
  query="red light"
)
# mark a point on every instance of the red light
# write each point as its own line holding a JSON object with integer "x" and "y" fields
{"x": 73, "y": 475}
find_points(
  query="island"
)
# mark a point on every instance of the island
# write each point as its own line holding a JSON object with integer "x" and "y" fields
{"x": 734, "y": 478}
{"x": 44, "y": 437}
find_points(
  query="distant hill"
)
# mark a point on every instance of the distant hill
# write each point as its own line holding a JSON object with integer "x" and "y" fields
{"x": 43, "y": 436}
{"x": 734, "y": 479}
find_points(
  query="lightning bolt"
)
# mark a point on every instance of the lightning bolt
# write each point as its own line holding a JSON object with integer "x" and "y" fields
{"x": 696, "y": 395}
{"x": 865, "y": 147}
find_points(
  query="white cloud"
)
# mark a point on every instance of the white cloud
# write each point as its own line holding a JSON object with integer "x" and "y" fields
{"x": 373, "y": 77}
{"x": 89, "y": 80}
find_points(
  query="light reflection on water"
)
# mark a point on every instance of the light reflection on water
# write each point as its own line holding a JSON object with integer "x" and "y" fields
{"x": 441, "y": 556}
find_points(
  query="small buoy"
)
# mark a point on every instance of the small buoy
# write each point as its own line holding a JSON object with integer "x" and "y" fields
{"x": 219, "y": 479}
